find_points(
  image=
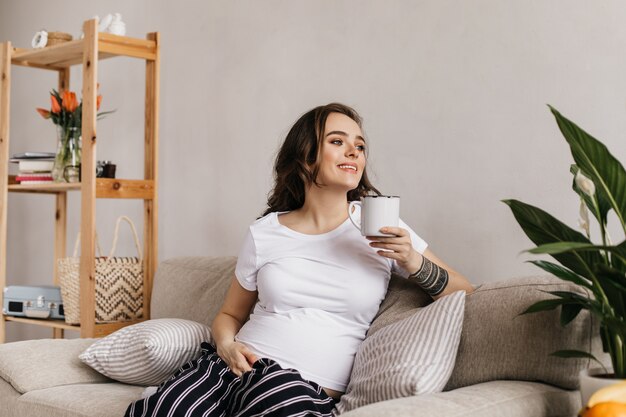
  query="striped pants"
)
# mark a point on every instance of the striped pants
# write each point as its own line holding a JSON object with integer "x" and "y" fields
{"x": 206, "y": 387}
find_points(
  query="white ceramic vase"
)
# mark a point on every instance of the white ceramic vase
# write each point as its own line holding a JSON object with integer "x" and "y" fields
{"x": 590, "y": 382}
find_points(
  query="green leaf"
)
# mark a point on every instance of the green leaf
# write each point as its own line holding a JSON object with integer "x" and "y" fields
{"x": 597, "y": 163}
{"x": 104, "y": 113}
{"x": 577, "y": 354}
{"x": 542, "y": 228}
{"x": 573, "y": 297}
{"x": 545, "y": 305}
{"x": 617, "y": 263}
{"x": 562, "y": 247}
{"x": 604, "y": 336}
{"x": 569, "y": 353}
{"x": 616, "y": 277}
{"x": 561, "y": 272}
{"x": 578, "y": 299}
{"x": 569, "y": 312}
{"x": 615, "y": 325}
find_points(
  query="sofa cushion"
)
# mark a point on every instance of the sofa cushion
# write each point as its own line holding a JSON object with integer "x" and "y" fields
{"x": 499, "y": 343}
{"x": 147, "y": 353}
{"x": 410, "y": 357}
{"x": 489, "y": 399}
{"x": 402, "y": 300}
{"x": 44, "y": 363}
{"x": 191, "y": 288}
{"x": 83, "y": 400}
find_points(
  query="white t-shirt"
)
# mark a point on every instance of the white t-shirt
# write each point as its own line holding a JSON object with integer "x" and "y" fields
{"x": 317, "y": 296}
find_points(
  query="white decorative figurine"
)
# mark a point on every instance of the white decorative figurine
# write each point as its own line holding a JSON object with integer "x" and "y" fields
{"x": 117, "y": 27}
{"x": 40, "y": 40}
{"x": 112, "y": 23}
{"x": 103, "y": 24}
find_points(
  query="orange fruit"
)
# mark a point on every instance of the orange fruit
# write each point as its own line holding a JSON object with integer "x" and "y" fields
{"x": 608, "y": 409}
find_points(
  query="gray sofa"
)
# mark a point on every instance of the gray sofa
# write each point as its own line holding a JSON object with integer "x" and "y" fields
{"x": 503, "y": 367}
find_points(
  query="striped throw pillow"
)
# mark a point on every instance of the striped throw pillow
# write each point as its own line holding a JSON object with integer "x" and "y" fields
{"x": 147, "y": 353}
{"x": 410, "y": 357}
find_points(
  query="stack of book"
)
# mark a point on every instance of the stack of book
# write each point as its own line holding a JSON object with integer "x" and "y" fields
{"x": 34, "y": 167}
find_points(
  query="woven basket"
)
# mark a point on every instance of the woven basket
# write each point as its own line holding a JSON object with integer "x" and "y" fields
{"x": 119, "y": 283}
{"x": 55, "y": 38}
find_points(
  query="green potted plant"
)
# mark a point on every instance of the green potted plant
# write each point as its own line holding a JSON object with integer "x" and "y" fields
{"x": 600, "y": 181}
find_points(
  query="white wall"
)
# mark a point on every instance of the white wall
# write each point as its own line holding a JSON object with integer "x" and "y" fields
{"x": 453, "y": 95}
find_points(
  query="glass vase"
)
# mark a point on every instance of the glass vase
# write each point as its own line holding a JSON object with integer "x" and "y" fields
{"x": 67, "y": 160}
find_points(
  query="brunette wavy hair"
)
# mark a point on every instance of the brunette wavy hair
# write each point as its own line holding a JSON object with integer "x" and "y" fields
{"x": 297, "y": 162}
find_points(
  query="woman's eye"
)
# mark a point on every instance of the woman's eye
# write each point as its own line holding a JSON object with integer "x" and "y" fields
{"x": 336, "y": 141}
{"x": 361, "y": 148}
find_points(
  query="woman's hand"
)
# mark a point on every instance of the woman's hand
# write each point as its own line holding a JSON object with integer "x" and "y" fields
{"x": 398, "y": 247}
{"x": 237, "y": 356}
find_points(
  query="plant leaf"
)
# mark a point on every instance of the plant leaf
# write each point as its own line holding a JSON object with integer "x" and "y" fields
{"x": 545, "y": 305}
{"x": 574, "y": 298}
{"x": 104, "y": 113}
{"x": 615, "y": 325}
{"x": 616, "y": 277}
{"x": 564, "y": 247}
{"x": 597, "y": 163}
{"x": 562, "y": 272}
{"x": 577, "y": 354}
{"x": 569, "y": 312}
{"x": 542, "y": 228}
{"x": 570, "y": 353}
{"x": 620, "y": 264}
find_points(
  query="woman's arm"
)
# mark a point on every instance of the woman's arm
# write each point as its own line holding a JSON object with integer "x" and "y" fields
{"x": 427, "y": 269}
{"x": 233, "y": 314}
{"x": 456, "y": 281}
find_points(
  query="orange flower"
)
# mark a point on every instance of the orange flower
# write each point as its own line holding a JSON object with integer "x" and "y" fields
{"x": 44, "y": 113}
{"x": 98, "y": 101}
{"x": 69, "y": 101}
{"x": 55, "y": 106}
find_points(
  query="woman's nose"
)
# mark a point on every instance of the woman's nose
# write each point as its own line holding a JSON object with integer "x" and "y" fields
{"x": 353, "y": 151}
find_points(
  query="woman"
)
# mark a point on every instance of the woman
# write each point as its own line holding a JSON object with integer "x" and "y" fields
{"x": 306, "y": 287}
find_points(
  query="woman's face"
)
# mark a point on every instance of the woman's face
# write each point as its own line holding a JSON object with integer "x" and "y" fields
{"x": 342, "y": 157}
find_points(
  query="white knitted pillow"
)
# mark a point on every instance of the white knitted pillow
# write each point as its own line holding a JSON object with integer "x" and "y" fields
{"x": 147, "y": 353}
{"x": 410, "y": 357}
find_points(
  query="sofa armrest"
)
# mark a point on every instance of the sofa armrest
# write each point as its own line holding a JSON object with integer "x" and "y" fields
{"x": 45, "y": 363}
{"x": 499, "y": 343}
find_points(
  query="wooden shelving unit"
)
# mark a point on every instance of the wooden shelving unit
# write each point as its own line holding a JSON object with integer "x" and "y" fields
{"x": 87, "y": 51}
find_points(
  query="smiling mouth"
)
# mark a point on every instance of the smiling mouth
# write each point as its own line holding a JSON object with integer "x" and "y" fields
{"x": 348, "y": 168}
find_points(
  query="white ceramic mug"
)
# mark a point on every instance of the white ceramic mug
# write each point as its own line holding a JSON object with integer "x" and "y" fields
{"x": 377, "y": 211}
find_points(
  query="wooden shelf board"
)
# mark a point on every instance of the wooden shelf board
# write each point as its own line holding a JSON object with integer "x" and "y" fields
{"x": 105, "y": 188}
{"x": 119, "y": 188}
{"x": 52, "y": 188}
{"x": 55, "y": 324}
{"x": 102, "y": 329}
{"x": 70, "y": 53}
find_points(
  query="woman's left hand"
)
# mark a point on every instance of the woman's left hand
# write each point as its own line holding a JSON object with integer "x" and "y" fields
{"x": 398, "y": 247}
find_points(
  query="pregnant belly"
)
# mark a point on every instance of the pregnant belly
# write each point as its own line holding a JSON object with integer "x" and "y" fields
{"x": 332, "y": 393}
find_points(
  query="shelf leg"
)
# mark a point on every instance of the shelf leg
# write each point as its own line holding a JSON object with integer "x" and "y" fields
{"x": 151, "y": 159}
{"x": 88, "y": 183}
{"x": 5, "y": 98}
